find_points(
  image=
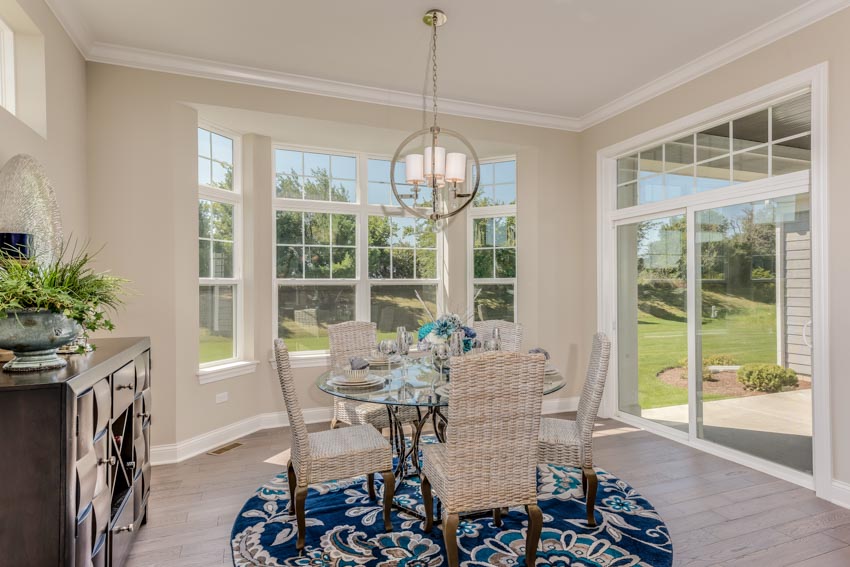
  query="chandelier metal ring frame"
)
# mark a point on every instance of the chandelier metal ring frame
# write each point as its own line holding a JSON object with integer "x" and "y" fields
{"x": 419, "y": 212}
{"x": 430, "y": 170}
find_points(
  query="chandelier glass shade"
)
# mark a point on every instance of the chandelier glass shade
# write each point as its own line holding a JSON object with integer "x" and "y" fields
{"x": 443, "y": 172}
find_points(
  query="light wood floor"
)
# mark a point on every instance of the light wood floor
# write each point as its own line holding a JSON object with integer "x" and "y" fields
{"x": 719, "y": 513}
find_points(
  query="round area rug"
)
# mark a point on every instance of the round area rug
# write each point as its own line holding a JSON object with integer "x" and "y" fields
{"x": 345, "y": 528}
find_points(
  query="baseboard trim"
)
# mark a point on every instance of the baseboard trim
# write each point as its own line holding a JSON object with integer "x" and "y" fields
{"x": 177, "y": 452}
{"x": 188, "y": 448}
{"x": 840, "y": 493}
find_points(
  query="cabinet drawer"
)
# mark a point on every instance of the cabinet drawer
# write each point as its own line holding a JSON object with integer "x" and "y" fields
{"x": 121, "y": 530}
{"x": 123, "y": 389}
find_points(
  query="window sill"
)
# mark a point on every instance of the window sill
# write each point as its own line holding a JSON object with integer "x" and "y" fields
{"x": 307, "y": 360}
{"x": 225, "y": 371}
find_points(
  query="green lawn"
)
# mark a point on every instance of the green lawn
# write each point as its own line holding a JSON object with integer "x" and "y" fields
{"x": 215, "y": 348}
{"x": 748, "y": 334}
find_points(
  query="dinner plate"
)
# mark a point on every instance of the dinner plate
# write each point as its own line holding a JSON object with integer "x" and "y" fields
{"x": 383, "y": 361}
{"x": 344, "y": 382}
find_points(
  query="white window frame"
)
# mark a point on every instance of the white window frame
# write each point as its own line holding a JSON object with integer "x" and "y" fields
{"x": 362, "y": 210}
{"x": 609, "y": 217}
{"x": 7, "y": 67}
{"x": 236, "y": 365}
{"x": 483, "y": 213}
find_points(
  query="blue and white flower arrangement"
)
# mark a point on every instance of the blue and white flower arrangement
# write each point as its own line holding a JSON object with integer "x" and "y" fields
{"x": 441, "y": 329}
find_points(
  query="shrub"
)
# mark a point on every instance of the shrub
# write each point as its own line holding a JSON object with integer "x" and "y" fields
{"x": 767, "y": 377}
{"x": 719, "y": 360}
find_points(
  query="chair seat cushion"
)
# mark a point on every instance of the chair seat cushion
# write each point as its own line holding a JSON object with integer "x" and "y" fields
{"x": 364, "y": 413}
{"x": 560, "y": 442}
{"x": 348, "y": 452}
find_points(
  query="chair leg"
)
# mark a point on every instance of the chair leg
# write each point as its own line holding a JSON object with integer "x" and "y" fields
{"x": 450, "y": 524}
{"x": 428, "y": 500}
{"x": 590, "y": 494}
{"x": 293, "y": 483}
{"x": 389, "y": 492}
{"x": 334, "y": 423}
{"x": 371, "y": 482}
{"x": 583, "y": 483}
{"x": 532, "y": 538}
{"x": 497, "y": 517}
{"x": 300, "y": 500}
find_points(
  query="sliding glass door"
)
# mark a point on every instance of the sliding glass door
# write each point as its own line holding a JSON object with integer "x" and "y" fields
{"x": 731, "y": 284}
{"x": 753, "y": 319}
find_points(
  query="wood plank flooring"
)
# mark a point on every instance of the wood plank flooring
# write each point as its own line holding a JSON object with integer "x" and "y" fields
{"x": 719, "y": 513}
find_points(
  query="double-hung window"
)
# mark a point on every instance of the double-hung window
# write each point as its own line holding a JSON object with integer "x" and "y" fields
{"x": 7, "y": 67}
{"x": 344, "y": 250}
{"x": 492, "y": 243}
{"x": 219, "y": 248}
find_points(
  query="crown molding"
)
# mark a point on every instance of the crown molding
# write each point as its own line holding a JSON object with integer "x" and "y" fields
{"x": 208, "y": 69}
{"x": 772, "y": 31}
{"x": 75, "y": 26}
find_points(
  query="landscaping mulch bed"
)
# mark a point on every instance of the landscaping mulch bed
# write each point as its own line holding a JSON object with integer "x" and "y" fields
{"x": 722, "y": 383}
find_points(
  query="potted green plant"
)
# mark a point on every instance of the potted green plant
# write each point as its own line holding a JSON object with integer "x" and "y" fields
{"x": 46, "y": 306}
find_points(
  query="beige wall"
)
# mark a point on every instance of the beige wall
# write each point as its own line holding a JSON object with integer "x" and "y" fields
{"x": 827, "y": 40}
{"x": 62, "y": 151}
{"x": 143, "y": 203}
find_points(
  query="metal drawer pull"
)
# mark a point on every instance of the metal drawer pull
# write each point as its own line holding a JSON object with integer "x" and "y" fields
{"x": 110, "y": 461}
{"x": 127, "y": 528}
{"x": 124, "y": 387}
{"x": 143, "y": 415}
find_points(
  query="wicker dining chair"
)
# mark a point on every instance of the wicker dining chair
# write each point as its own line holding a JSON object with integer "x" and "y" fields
{"x": 570, "y": 443}
{"x": 329, "y": 455}
{"x": 489, "y": 460}
{"x": 511, "y": 333}
{"x": 358, "y": 338}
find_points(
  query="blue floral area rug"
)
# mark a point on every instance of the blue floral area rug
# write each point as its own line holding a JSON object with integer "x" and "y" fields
{"x": 345, "y": 528}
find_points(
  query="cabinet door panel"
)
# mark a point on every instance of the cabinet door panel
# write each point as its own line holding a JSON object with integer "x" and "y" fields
{"x": 83, "y": 543}
{"x": 103, "y": 404}
{"x": 142, "y": 371}
{"x": 101, "y": 451}
{"x": 85, "y": 423}
{"x": 122, "y": 530}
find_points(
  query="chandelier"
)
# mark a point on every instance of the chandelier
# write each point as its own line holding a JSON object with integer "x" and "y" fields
{"x": 444, "y": 173}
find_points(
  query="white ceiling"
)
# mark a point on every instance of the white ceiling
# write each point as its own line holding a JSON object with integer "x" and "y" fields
{"x": 566, "y": 58}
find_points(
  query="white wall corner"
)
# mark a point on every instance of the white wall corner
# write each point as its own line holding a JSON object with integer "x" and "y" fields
{"x": 74, "y": 24}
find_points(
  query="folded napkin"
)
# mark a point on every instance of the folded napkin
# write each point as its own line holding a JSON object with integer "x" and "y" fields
{"x": 358, "y": 363}
{"x": 539, "y": 350}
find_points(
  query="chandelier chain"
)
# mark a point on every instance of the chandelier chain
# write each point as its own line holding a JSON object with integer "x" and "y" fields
{"x": 434, "y": 68}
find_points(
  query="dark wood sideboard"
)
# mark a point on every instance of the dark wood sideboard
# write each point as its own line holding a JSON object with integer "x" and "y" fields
{"x": 74, "y": 458}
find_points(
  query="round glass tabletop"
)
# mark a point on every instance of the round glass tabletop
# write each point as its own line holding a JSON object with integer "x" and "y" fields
{"x": 415, "y": 383}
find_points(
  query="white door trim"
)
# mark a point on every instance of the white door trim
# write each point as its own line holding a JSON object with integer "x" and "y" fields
{"x": 815, "y": 78}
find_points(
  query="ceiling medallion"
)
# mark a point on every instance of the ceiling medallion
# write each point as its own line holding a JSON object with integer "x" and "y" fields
{"x": 436, "y": 169}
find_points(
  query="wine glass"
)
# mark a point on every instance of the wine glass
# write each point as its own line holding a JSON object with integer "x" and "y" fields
{"x": 388, "y": 347}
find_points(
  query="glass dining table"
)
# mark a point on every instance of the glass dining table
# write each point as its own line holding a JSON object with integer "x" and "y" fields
{"x": 413, "y": 383}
